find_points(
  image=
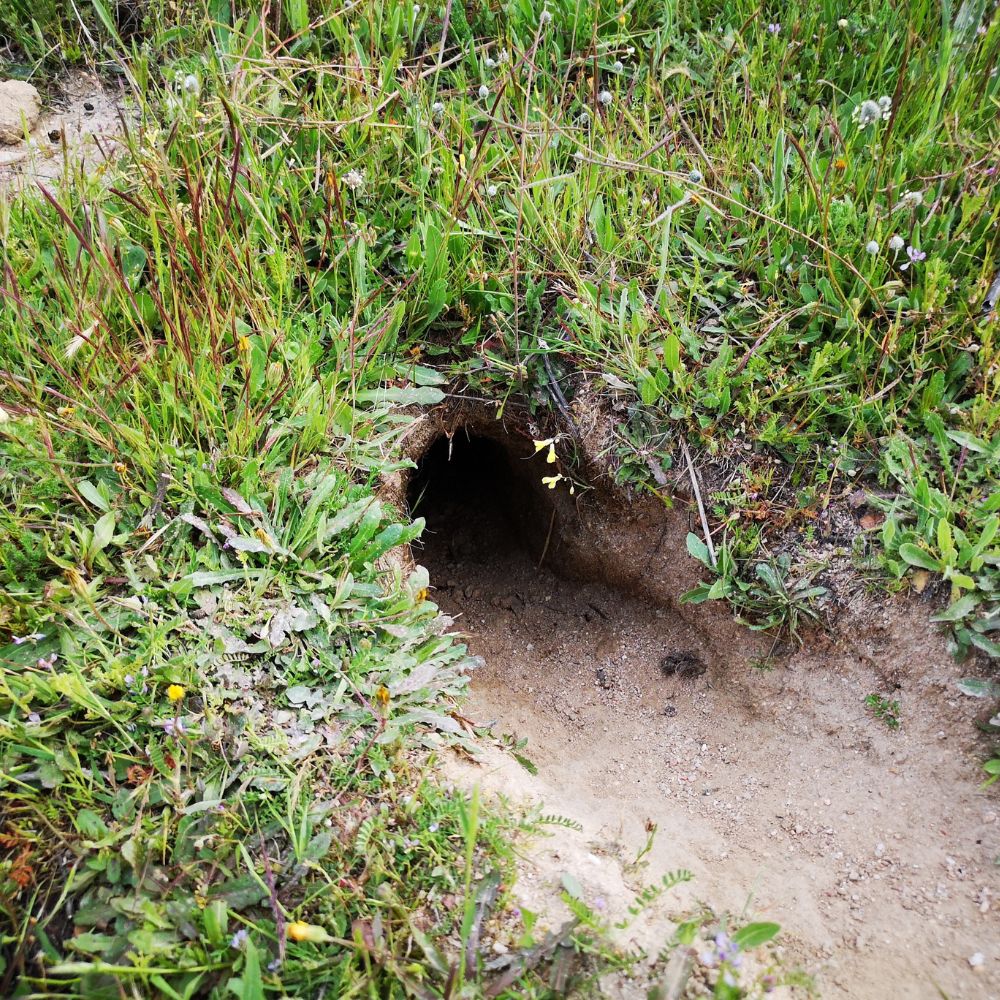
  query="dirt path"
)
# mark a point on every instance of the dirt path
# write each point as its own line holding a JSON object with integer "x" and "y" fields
{"x": 874, "y": 849}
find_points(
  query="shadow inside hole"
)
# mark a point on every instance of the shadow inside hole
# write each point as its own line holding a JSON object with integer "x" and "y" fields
{"x": 479, "y": 501}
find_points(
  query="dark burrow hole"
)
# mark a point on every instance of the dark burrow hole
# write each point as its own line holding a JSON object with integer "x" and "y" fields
{"x": 508, "y": 557}
{"x": 479, "y": 502}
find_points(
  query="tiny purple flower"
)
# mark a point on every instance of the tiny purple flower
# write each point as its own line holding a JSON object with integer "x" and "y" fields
{"x": 34, "y": 718}
{"x": 239, "y": 938}
{"x": 915, "y": 256}
{"x": 274, "y": 965}
{"x": 129, "y": 680}
{"x": 32, "y": 637}
{"x": 433, "y": 828}
{"x": 173, "y": 727}
{"x": 774, "y": 28}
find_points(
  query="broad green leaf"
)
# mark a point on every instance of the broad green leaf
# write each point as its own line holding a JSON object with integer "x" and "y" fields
{"x": 977, "y": 687}
{"x": 986, "y": 645}
{"x": 916, "y": 556}
{"x": 572, "y": 885}
{"x": 959, "y": 609}
{"x": 104, "y": 531}
{"x": 697, "y": 548}
{"x": 754, "y": 935}
{"x": 92, "y": 494}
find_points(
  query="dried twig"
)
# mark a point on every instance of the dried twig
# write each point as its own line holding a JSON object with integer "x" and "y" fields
{"x": 701, "y": 507}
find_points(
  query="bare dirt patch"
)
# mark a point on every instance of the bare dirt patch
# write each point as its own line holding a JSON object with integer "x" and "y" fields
{"x": 875, "y": 849}
{"x": 78, "y": 129}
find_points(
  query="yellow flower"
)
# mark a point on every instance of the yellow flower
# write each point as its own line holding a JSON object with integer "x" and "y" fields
{"x": 551, "y": 456}
{"x": 299, "y": 930}
{"x": 840, "y": 164}
{"x": 243, "y": 343}
{"x": 382, "y": 697}
{"x": 175, "y": 692}
{"x": 551, "y": 481}
{"x": 547, "y": 443}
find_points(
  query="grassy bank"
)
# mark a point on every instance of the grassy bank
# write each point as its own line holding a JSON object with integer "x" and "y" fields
{"x": 218, "y": 686}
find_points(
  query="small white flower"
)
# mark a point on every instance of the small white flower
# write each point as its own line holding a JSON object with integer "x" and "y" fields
{"x": 545, "y": 17}
{"x": 896, "y": 244}
{"x": 492, "y": 190}
{"x": 354, "y": 179}
{"x": 605, "y": 97}
{"x": 842, "y": 23}
{"x": 484, "y": 92}
{"x": 491, "y": 63}
{"x": 191, "y": 85}
{"x": 872, "y": 247}
{"x": 695, "y": 176}
{"x": 416, "y": 9}
{"x": 913, "y": 199}
{"x": 584, "y": 117}
{"x": 619, "y": 66}
{"x": 437, "y": 108}
{"x": 885, "y": 103}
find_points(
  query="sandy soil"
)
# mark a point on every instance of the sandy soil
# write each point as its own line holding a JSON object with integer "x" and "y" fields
{"x": 77, "y": 131}
{"x": 874, "y": 849}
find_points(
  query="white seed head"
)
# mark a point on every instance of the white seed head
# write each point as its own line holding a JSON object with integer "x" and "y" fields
{"x": 545, "y": 17}
{"x": 695, "y": 176}
{"x": 872, "y": 247}
{"x": 896, "y": 243}
{"x": 437, "y": 108}
{"x": 867, "y": 113}
{"x": 605, "y": 97}
{"x": 484, "y": 92}
{"x": 619, "y": 66}
{"x": 492, "y": 190}
{"x": 191, "y": 85}
{"x": 842, "y": 23}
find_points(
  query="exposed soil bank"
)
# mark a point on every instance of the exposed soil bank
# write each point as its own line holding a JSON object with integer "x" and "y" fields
{"x": 874, "y": 849}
